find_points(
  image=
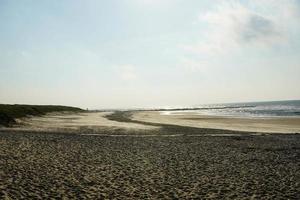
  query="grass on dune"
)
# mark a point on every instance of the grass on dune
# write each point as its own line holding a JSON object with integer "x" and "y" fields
{"x": 8, "y": 113}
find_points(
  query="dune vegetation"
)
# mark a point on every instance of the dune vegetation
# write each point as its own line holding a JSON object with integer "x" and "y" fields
{"x": 8, "y": 112}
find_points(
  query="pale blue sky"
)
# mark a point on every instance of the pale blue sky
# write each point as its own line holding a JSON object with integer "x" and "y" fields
{"x": 148, "y": 53}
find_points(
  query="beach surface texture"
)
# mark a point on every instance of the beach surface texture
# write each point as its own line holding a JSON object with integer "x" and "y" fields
{"x": 252, "y": 124}
{"x": 129, "y": 155}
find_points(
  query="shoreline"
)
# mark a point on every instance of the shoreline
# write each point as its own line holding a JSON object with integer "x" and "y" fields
{"x": 264, "y": 125}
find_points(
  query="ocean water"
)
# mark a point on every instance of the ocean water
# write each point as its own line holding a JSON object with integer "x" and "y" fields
{"x": 252, "y": 109}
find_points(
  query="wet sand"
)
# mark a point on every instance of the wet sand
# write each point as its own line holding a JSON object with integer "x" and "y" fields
{"x": 265, "y": 125}
{"x": 171, "y": 162}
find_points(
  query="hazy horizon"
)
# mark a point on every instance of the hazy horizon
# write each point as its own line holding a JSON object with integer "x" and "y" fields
{"x": 148, "y": 53}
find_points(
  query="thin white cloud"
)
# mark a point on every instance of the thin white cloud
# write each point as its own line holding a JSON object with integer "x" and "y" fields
{"x": 153, "y": 2}
{"x": 127, "y": 72}
{"x": 231, "y": 25}
{"x": 193, "y": 65}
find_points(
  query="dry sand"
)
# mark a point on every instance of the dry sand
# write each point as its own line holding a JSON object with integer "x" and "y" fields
{"x": 70, "y": 166}
{"x": 73, "y": 163}
{"x": 266, "y": 125}
{"x": 74, "y": 122}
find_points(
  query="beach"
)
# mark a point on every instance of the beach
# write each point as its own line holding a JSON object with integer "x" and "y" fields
{"x": 248, "y": 124}
{"x": 143, "y": 160}
{"x": 56, "y": 165}
{"x": 150, "y": 99}
{"x": 75, "y": 123}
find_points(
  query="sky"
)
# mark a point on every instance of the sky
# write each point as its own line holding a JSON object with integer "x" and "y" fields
{"x": 148, "y": 53}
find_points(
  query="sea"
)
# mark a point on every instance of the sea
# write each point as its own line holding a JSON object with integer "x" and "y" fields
{"x": 289, "y": 108}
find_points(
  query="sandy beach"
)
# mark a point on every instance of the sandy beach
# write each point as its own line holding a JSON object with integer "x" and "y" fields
{"x": 115, "y": 160}
{"x": 150, "y": 99}
{"x": 68, "y": 166}
{"x": 74, "y": 122}
{"x": 265, "y": 125}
